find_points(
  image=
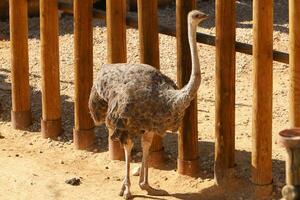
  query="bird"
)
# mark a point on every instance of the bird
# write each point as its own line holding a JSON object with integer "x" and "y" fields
{"x": 137, "y": 100}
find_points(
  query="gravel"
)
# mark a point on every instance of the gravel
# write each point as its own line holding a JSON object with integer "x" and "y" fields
{"x": 206, "y": 92}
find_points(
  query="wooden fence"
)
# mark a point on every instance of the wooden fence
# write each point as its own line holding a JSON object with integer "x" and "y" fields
{"x": 226, "y": 47}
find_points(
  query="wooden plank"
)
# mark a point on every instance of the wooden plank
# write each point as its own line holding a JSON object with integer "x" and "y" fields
{"x": 83, "y": 133}
{"x": 132, "y": 21}
{"x": 262, "y": 97}
{"x": 225, "y": 89}
{"x": 51, "y": 113}
{"x": 294, "y": 22}
{"x": 188, "y": 133}
{"x": 149, "y": 54}
{"x": 117, "y": 53}
{"x": 20, "y": 114}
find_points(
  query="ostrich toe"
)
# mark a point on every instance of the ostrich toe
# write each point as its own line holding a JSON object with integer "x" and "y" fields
{"x": 121, "y": 193}
{"x": 127, "y": 195}
{"x": 152, "y": 191}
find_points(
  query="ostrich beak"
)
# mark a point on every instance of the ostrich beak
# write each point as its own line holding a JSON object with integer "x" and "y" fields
{"x": 205, "y": 16}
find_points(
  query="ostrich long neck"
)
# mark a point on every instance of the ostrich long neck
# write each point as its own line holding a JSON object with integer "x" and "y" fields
{"x": 189, "y": 91}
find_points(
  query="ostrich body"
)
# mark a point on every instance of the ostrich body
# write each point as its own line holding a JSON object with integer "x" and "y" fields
{"x": 138, "y": 100}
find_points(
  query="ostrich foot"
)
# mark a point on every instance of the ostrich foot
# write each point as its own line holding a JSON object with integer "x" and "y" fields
{"x": 152, "y": 191}
{"x": 126, "y": 194}
{"x": 125, "y": 189}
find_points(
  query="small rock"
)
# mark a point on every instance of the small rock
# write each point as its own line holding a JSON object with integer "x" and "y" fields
{"x": 136, "y": 171}
{"x": 17, "y": 155}
{"x": 73, "y": 181}
{"x": 69, "y": 142}
{"x": 30, "y": 143}
{"x": 62, "y": 162}
{"x": 95, "y": 150}
{"x": 24, "y": 133}
{"x": 118, "y": 179}
{"x": 41, "y": 151}
{"x": 106, "y": 167}
{"x": 1, "y": 136}
{"x": 200, "y": 180}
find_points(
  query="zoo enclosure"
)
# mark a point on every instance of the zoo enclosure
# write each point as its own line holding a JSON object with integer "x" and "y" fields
{"x": 116, "y": 20}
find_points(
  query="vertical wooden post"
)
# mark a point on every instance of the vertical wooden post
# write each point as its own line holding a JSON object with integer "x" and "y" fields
{"x": 51, "y": 114}
{"x": 20, "y": 114}
{"x": 225, "y": 89}
{"x": 116, "y": 30}
{"x": 262, "y": 97}
{"x": 83, "y": 132}
{"x": 148, "y": 32}
{"x": 188, "y": 160}
{"x": 149, "y": 54}
{"x": 294, "y": 21}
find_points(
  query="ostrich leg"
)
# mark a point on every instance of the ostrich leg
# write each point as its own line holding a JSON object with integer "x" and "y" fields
{"x": 143, "y": 182}
{"x": 146, "y": 144}
{"x": 125, "y": 190}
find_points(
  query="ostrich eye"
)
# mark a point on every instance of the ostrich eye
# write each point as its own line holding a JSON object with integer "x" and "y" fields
{"x": 197, "y": 16}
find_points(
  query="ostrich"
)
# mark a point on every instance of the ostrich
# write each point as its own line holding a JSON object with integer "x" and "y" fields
{"x": 138, "y": 100}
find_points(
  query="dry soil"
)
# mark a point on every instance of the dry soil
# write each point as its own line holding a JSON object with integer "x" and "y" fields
{"x": 35, "y": 168}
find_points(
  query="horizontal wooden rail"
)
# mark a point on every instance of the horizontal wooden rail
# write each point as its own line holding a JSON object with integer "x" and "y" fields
{"x": 132, "y": 21}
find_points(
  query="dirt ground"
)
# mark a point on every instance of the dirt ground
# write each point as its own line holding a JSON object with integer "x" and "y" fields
{"x": 35, "y": 168}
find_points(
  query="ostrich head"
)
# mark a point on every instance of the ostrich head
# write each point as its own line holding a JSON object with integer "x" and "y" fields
{"x": 189, "y": 91}
{"x": 195, "y": 17}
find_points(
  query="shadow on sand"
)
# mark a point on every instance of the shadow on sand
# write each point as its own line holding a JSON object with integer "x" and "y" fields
{"x": 5, "y": 97}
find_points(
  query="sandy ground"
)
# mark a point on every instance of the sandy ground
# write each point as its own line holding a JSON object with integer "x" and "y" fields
{"x": 34, "y": 168}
